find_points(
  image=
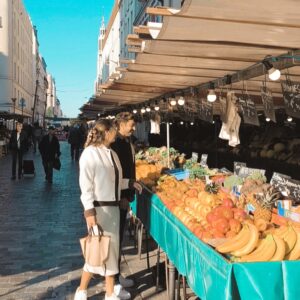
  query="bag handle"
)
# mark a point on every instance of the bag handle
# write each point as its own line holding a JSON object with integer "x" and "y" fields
{"x": 100, "y": 230}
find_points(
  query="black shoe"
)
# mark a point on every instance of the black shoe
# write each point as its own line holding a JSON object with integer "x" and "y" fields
{"x": 50, "y": 180}
{"x": 13, "y": 178}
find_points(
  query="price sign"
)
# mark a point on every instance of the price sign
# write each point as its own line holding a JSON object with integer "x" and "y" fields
{"x": 287, "y": 186}
{"x": 194, "y": 156}
{"x": 267, "y": 100}
{"x": 245, "y": 172}
{"x": 291, "y": 97}
{"x": 249, "y": 111}
{"x": 237, "y": 166}
{"x": 203, "y": 161}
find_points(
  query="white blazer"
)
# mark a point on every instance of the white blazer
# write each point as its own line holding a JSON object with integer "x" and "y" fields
{"x": 97, "y": 176}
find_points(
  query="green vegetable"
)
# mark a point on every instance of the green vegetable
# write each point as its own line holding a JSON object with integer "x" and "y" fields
{"x": 256, "y": 175}
{"x": 232, "y": 181}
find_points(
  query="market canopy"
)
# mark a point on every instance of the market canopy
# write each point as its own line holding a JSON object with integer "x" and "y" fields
{"x": 204, "y": 42}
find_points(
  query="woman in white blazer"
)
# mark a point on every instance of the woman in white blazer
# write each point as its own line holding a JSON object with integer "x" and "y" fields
{"x": 101, "y": 182}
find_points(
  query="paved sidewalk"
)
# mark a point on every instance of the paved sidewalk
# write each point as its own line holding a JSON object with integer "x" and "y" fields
{"x": 40, "y": 225}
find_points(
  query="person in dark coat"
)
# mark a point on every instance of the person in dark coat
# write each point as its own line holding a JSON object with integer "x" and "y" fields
{"x": 50, "y": 150}
{"x": 74, "y": 140}
{"x": 124, "y": 148}
{"x": 37, "y": 135}
{"x": 17, "y": 145}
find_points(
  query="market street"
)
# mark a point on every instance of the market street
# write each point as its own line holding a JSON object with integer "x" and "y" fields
{"x": 40, "y": 257}
{"x": 40, "y": 226}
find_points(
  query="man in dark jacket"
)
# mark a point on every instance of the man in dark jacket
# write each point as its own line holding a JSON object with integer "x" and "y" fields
{"x": 50, "y": 150}
{"x": 17, "y": 145}
{"x": 124, "y": 148}
{"x": 74, "y": 140}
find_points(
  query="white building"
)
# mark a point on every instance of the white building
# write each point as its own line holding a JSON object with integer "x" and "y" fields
{"x": 51, "y": 96}
{"x": 108, "y": 48}
{"x": 41, "y": 91}
{"x": 16, "y": 55}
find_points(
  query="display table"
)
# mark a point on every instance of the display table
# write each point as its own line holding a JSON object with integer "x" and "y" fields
{"x": 208, "y": 273}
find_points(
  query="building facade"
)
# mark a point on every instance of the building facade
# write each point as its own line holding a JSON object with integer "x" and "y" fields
{"x": 23, "y": 71}
{"x": 16, "y": 56}
{"x": 53, "y": 108}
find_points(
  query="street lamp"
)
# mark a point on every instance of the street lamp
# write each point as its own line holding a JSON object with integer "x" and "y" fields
{"x": 14, "y": 104}
{"x": 22, "y": 104}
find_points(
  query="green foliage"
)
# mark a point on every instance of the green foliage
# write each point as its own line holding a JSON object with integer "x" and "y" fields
{"x": 232, "y": 181}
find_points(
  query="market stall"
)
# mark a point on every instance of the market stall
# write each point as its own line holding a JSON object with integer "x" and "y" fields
{"x": 228, "y": 234}
{"x": 224, "y": 63}
{"x": 209, "y": 274}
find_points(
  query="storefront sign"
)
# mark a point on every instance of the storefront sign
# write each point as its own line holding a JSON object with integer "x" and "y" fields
{"x": 291, "y": 97}
{"x": 267, "y": 100}
{"x": 249, "y": 111}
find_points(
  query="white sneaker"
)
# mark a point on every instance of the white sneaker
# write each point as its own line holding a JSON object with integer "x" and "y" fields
{"x": 126, "y": 282}
{"x": 80, "y": 294}
{"x": 121, "y": 293}
{"x": 112, "y": 297}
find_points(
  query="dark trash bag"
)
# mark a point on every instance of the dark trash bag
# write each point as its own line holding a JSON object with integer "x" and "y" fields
{"x": 56, "y": 164}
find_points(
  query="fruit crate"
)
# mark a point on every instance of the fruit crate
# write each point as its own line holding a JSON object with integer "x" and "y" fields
{"x": 179, "y": 174}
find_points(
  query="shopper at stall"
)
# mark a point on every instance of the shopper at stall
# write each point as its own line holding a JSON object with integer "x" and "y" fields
{"x": 50, "y": 150}
{"x": 17, "y": 146}
{"x": 101, "y": 180}
{"x": 124, "y": 148}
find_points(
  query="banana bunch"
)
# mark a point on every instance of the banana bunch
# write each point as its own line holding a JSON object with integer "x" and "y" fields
{"x": 291, "y": 237}
{"x": 279, "y": 244}
{"x": 243, "y": 243}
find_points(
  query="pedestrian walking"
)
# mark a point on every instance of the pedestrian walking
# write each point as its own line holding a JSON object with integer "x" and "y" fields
{"x": 74, "y": 139}
{"x": 37, "y": 134}
{"x": 50, "y": 150}
{"x": 124, "y": 148}
{"x": 101, "y": 181}
{"x": 17, "y": 146}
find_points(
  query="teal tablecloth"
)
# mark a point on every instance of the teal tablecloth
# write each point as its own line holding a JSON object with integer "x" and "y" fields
{"x": 210, "y": 275}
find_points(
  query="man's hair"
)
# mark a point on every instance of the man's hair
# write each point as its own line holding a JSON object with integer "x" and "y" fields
{"x": 123, "y": 117}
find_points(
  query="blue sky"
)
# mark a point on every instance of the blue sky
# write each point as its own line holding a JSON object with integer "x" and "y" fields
{"x": 68, "y": 36}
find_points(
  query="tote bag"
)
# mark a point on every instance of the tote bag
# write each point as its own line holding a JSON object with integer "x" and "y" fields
{"x": 95, "y": 248}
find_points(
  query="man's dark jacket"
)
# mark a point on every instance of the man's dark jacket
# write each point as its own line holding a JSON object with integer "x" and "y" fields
{"x": 13, "y": 142}
{"x": 49, "y": 150}
{"x": 124, "y": 149}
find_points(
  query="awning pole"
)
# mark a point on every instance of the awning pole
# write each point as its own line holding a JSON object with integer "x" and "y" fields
{"x": 168, "y": 143}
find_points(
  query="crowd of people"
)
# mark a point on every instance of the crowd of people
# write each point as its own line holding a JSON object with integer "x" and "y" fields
{"x": 26, "y": 137}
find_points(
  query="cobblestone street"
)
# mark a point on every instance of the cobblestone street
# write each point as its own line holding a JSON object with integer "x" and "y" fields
{"x": 41, "y": 223}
